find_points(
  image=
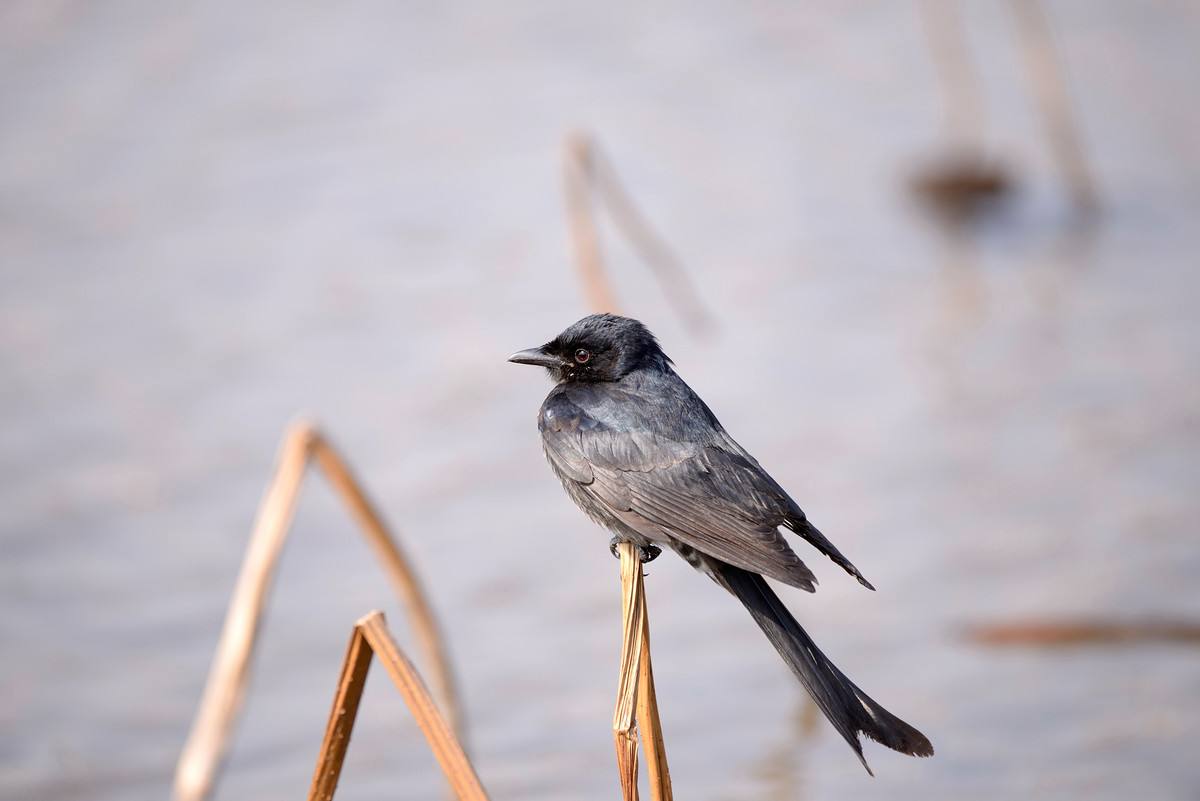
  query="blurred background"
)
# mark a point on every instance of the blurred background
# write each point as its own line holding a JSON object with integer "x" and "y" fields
{"x": 216, "y": 217}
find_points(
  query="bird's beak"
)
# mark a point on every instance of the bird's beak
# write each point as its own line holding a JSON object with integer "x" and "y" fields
{"x": 536, "y": 356}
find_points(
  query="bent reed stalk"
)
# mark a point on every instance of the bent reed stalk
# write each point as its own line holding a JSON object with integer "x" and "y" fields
{"x": 588, "y": 177}
{"x": 224, "y": 693}
{"x": 371, "y": 637}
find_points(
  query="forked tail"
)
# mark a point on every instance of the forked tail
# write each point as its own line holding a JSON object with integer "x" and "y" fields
{"x": 848, "y": 708}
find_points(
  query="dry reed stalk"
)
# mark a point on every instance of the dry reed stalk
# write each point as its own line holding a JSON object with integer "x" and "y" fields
{"x": 633, "y": 622}
{"x": 1049, "y": 87}
{"x": 404, "y": 579}
{"x": 577, "y": 176}
{"x": 224, "y": 692}
{"x": 635, "y": 689}
{"x": 341, "y": 718}
{"x": 438, "y": 732}
{"x": 372, "y": 638}
{"x": 589, "y": 175}
{"x": 962, "y": 99}
{"x": 650, "y": 725}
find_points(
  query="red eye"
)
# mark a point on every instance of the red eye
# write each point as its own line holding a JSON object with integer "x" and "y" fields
{"x": 582, "y": 355}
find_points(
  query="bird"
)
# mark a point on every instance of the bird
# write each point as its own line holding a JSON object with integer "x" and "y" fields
{"x": 643, "y": 456}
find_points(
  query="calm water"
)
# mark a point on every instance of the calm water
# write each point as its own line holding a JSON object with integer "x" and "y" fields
{"x": 212, "y": 220}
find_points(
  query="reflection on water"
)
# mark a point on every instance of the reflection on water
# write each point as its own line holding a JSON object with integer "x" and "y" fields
{"x": 781, "y": 770}
{"x": 215, "y": 219}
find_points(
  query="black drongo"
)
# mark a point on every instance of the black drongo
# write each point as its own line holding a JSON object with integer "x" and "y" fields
{"x": 642, "y": 455}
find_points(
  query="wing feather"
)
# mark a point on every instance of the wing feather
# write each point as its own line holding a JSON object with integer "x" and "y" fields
{"x": 666, "y": 490}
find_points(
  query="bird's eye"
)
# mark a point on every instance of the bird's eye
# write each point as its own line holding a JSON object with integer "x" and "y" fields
{"x": 582, "y": 355}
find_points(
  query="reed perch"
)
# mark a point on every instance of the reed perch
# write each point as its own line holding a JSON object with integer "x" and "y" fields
{"x": 636, "y": 699}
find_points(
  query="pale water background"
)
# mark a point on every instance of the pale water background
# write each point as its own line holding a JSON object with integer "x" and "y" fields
{"x": 215, "y": 218}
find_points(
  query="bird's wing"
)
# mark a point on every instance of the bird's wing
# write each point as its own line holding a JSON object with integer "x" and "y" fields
{"x": 793, "y": 516}
{"x": 700, "y": 495}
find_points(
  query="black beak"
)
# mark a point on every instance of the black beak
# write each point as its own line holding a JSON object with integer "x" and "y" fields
{"x": 537, "y": 357}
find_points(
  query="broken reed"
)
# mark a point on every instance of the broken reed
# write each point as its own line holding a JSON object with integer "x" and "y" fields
{"x": 590, "y": 180}
{"x": 224, "y": 693}
{"x": 369, "y": 638}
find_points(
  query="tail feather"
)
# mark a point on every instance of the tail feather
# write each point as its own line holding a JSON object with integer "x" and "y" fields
{"x": 848, "y": 708}
{"x": 799, "y": 524}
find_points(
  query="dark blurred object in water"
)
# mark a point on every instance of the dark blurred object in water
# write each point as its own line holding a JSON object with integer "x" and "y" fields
{"x": 962, "y": 181}
{"x": 965, "y": 182}
{"x": 963, "y": 185}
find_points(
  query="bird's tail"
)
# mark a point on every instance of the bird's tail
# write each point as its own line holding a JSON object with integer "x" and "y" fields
{"x": 848, "y": 708}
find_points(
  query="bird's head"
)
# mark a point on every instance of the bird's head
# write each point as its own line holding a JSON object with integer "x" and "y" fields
{"x": 600, "y": 347}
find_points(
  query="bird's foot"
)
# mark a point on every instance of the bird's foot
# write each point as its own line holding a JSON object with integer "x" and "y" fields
{"x": 648, "y": 553}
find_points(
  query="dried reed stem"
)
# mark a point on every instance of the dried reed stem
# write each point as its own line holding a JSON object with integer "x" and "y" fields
{"x": 578, "y": 179}
{"x": 589, "y": 175}
{"x": 438, "y": 732}
{"x": 208, "y": 741}
{"x": 1050, "y": 633}
{"x": 1050, "y": 89}
{"x": 372, "y": 638}
{"x": 633, "y": 623}
{"x": 962, "y": 99}
{"x": 651, "y": 726}
{"x": 341, "y": 718}
{"x": 635, "y": 688}
{"x": 405, "y": 581}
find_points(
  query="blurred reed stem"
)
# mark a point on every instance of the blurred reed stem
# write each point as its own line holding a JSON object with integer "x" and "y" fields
{"x": 1049, "y": 87}
{"x": 965, "y": 119}
{"x": 1067, "y": 632}
{"x": 588, "y": 179}
{"x": 204, "y": 752}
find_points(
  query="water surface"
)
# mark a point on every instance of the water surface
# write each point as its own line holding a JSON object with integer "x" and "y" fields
{"x": 215, "y": 219}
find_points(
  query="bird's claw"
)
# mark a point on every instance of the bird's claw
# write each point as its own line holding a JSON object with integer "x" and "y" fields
{"x": 648, "y": 553}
